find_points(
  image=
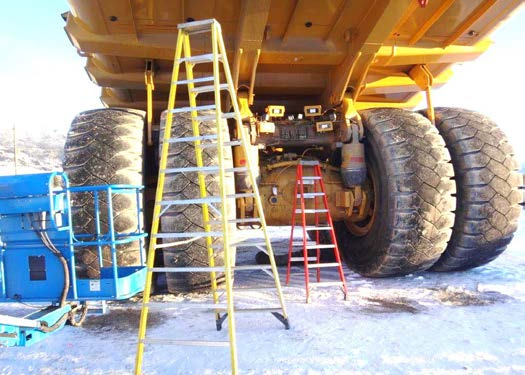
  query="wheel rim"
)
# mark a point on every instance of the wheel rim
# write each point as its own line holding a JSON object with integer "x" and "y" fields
{"x": 362, "y": 228}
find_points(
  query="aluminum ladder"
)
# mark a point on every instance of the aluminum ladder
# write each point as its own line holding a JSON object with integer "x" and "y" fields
{"x": 222, "y": 310}
{"x": 326, "y": 226}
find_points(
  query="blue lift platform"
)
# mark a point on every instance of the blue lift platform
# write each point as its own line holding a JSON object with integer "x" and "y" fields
{"x": 38, "y": 245}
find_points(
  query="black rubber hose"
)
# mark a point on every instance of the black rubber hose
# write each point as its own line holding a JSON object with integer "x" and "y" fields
{"x": 49, "y": 244}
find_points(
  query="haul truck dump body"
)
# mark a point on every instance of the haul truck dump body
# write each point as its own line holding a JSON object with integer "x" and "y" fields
{"x": 322, "y": 80}
{"x": 289, "y": 51}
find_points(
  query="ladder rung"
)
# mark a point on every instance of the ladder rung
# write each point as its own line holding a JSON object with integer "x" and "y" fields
{"x": 311, "y": 195}
{"x": 190, "y": 201}
{"x": 193, "y": 139}
{"x": 326, "y": 283}
{"x": 311, "y": 227}
{"x": 215, "y": 144}
{"x": 310, "y": 178}
{"x": 196, "y": 25}
{"x": 188, "y": 234}
{"x": 308, "y": 247}
{"x": 253, "y": 267}
{"x": 198, "y": 59}
{"x": 185, "y": 342}
{"x": 309, "y": 162}
{"x": 237, "y": 221}
{"x": 210, "y": 107}
{"x": 310, "y": 211}
{"x": 301, "y": 259}
{"x": 254, "y": 289}
{"x": 300, "y": 243}
{"x": 195, "y": 80}
{"x": 183, "y": 305}
{"x": 212, "y": 169}
{"x": 257, "y": 309}
{"x": 204, "y": 200}
{"x": 323, "y": 265}
{"x": 240, "y": 244}
{"x": 209, "y": 88}
{"x": 213, "y": 117}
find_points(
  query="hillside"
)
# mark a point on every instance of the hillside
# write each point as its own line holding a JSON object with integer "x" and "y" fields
{"x": 38, "y": 150}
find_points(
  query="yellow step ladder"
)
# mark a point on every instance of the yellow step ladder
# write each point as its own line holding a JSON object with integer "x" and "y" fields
{"x": 222, "y": 310}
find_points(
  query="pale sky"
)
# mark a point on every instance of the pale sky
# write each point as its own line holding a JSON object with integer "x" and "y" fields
{"x": 45, "y": 85}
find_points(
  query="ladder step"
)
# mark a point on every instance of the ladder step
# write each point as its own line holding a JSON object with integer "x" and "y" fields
{"x": 188, "y": 234}
{"x": 300, "y": 243}
{"x": 198, "y": 59}
{"x": 237, "y": 221}
{"x": 309, "y": 162}
{"x": 301, "y": 259}
{"x": 205, "y": 200}
{"x": 311, "y": 227}
{"x": 185, "y": 342}
{"x": 195, "y": 80}
{"x": 186, "y": 269}
{"x": 310, "y": 211}
{"x": 210, "y": 88}
{"x": 311, "y": 195}
{"x": 215, "y": 144}
{"x": 310, "y": 178}
{"x": 241, "y": 244}
{"x": 184, "y": 305}
{"x": 193, "y": 139}
{"x": 323, "y": 265}
{"x": 257, "y": 309}
{"x": 308, "y": 247}
{"x": 253, "y": 267}
{"x": 326, "y": 283}
{"x": 254, "y": 289}
{"x": 212, "y": 169}
{"x": 196, "y": 25}
{"x": 190, "y": 201}
{"x": 213, "y": 117}
{"x": 210, "y": 107}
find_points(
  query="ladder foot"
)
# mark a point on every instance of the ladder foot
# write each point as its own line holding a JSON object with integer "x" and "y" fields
{"x": 280, "y": 317}
{"x": 219, "y": 320}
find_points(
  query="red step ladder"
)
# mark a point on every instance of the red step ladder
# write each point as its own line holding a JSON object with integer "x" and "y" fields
{"x": 317, "y": 191}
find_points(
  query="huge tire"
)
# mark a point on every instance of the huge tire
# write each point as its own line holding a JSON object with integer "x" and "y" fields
{"x": 104, "y": 146}
{"x": 188, "y": 218}
{"x": 487, "y": 181}
{"x": 408, "y": 167}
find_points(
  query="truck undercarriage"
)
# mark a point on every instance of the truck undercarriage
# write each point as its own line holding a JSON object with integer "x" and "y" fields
{"x": 327, "y": 81}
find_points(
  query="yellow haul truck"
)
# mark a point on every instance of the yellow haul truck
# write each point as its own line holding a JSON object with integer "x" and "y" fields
{"x": 329, "y": 80}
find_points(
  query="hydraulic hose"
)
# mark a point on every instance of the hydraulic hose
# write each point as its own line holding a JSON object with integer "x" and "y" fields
{"x": 41, "y": 232}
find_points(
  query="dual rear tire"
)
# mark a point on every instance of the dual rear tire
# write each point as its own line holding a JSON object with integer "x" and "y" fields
{"x": 445, "y": 198}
